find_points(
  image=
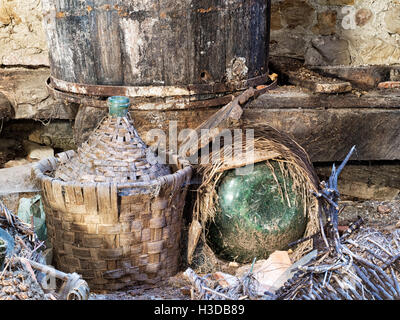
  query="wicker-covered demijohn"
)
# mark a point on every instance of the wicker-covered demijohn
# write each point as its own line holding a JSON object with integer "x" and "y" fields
{"x": 113, "y": 210}
{"x": 250, "y": 214}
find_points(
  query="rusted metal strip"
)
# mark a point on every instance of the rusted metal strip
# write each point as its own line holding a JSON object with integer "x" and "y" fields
{"x": 152, "y": 103}
{"x": 156, "y": 91}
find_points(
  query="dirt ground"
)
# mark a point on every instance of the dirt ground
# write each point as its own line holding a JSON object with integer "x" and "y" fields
{"x": 174, "y": 289}
{"x": 382, "y": 215}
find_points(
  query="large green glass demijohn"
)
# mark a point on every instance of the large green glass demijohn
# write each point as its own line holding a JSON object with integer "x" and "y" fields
{"x": 254, "y": 217}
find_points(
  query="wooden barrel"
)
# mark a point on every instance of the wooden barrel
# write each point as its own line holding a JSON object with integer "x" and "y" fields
{"x": 186, "y": 49}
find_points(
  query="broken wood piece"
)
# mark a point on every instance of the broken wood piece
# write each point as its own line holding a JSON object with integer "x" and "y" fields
{"x": 296, "y": 73}
{"x": 220, "y": 120}
{"x": 363, "y": 77}
{"x": 389, "y": 85}
{"x": 28, "y": 266}
{"x": 316, "y": 83}
{"x": 44, "y": 269}
{"x": 231, "y": 111}
{"x": 194, "y": 236}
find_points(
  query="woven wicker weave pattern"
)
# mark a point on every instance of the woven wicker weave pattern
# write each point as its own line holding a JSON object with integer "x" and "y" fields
{"x": 115, "y": 234}
{"x": 114, "y": 152}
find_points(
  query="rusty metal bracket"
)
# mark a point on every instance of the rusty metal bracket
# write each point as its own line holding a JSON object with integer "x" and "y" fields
{"x": 196, "y": 97}
{"x": 151, "y": 91}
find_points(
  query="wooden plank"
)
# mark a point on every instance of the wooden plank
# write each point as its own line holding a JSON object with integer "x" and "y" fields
{"x": 379, "y": 183}
{"x": 174, "y": 27}
{"x": 328, "y": 134}
{"x": 106, "y": 41}
{"x": 252, "y": 44}
{"x": 61, "y": 58}
{"x": 80, "y": 33}
{"x": 296, "y": 73}
{"x": 287, "y": 97}
{"x": 364, "y": 77}
{"x": 209, "y": 31}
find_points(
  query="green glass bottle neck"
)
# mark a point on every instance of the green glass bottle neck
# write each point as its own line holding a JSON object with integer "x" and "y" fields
{"x": 118, "y": 106}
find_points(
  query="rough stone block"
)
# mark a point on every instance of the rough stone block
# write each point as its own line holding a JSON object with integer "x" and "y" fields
{"x": 17, "y": 180}
{"x": 36, "y": 151}
{"x": 276, "y": 17}
{"x": 57, "y": 134}
{"x": 326, "y": 24}
{"x": 392, "y": 20}
{"x": 25, "y": 90}
{"x": 363, "y": 16}
{"x": 297, "y": 13}
{"x": 21, "y": 30}
{"x": 328, "y": 50}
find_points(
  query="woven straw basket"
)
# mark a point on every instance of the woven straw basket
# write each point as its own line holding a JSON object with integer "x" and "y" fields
{"x": 114, "y": 233}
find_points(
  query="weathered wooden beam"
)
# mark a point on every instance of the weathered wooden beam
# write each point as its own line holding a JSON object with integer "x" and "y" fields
{"x": 381, "y": 182}
{"x": 286, "y": 97}
{"x": 363, "y": 77}
{"x": 328, "y": 134}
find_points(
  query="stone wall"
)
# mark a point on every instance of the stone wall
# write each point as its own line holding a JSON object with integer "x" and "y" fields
{"x": 337, "y": 32}
{"x": 22, "y": 38}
